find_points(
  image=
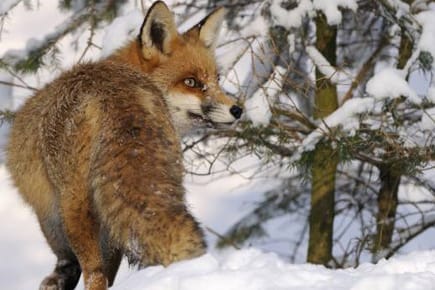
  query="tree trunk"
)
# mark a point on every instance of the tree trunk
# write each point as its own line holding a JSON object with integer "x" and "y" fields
{"x": 387, "y": 207}
{"x": 390, "y": 179}
{"x": 325, "y": 160}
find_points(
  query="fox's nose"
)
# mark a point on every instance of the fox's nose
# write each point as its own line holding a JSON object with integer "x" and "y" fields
{"x": 236, "y": 111}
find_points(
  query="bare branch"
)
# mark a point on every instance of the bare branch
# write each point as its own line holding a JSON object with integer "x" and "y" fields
{"x": 18, "y": 86}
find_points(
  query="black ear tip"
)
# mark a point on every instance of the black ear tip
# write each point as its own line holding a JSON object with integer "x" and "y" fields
{"x": 236, "y": 111}
{"x": 157, "y": 3}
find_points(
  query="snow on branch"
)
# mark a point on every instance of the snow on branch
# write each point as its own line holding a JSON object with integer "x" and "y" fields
{"x": 331, "y": 9}
{"x": 293, "y": 17}
{"x": 427, "y": 38}
{"x": 258, "y": 107}
{"x": 323, "y": 65}
{"x": 30, "y": 57}
{"x": 391, "y": 83}
{"x": 345, "y": 116}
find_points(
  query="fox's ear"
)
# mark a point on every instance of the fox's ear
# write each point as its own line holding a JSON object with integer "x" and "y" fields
{"x": 208, "y": 29}
{"x": 158, "y": 30}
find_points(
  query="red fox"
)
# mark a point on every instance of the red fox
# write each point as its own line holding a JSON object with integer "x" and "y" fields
{"x": 96, "y": 153}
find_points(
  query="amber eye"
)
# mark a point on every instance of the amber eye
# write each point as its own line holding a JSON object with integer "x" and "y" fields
{"x": 190, "y": 82}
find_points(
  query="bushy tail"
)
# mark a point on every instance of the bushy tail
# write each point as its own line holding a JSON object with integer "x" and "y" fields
{"x": 136, "y": 178}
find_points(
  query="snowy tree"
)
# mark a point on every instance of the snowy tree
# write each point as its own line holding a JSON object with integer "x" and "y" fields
{"x": 339, "y": 105}
{"x": 342, "y": 83}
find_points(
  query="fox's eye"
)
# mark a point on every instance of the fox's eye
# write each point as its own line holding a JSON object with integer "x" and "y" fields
{"x": 190, "y": 82}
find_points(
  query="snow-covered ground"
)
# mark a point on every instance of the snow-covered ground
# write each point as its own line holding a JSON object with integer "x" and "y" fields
{"x": 251, "y": 269}
{"x": 25, "y": 255}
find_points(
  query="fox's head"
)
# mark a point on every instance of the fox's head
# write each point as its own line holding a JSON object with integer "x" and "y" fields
{"x": 183, "y": 66}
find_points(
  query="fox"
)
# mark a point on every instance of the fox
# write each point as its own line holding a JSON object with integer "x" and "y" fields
{"x": 96, "y": 153}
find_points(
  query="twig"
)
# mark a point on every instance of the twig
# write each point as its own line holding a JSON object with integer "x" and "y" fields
{"x": 363, "y": 72}
{"x": 221, "y": 237}
{"x": 414, "y": 231}
{"x": 93, "y": 23}
{"x": 19, "y": 86}
{"x": 15, "y": 75}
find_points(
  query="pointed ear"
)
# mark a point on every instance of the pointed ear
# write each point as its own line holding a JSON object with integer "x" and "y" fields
{"x": 158, "y": 30}
{"x": 207, "y": 30}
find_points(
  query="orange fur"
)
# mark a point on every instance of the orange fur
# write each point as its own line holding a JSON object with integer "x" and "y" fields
{"x": 96, "y": 153}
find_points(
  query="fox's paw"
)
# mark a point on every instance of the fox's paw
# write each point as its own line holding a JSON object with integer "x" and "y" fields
{"x": 53, "y": 282}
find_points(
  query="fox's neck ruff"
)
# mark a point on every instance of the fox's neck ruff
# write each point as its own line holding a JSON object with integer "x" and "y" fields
{"x": 131, "y": 55}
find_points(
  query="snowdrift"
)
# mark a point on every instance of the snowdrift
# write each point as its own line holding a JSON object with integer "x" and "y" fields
{"x": 251, "y": 269}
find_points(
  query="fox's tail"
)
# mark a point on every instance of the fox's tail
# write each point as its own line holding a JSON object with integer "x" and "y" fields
{"x": 136, "y": 177}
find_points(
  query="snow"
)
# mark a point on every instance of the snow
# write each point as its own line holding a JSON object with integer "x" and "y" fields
{"x": 329, "y": 71}
{"x": 257, "y": 27}
{"x": 391, "y": 83}
{"x": 414, "y": 194}
{"x": 431, "y": 94}
{"x": 427, "y": 38}
{"x": 331, "y": 9}
{"x": 400, "y": 7}
{"x": 257, "y": 107}
{"x": 345, "y": 116}
{"x": 428, "y": 120}
{"x": 252, "y": 269}
{"x": 122, "y": 29}
{"x": 6, "y": 103}
{"x": 21, "y": 242}
{"x": 6, "y": 5}
{"x": 290, "y": 18}
{"x": 5, "y": 91}
{"x": 23, "y": 23}
{"x": 293, "y": 17}
{"x": 14, "y": 56}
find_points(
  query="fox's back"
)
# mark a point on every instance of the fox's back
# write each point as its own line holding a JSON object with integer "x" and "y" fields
{"x": 58, "y": 132}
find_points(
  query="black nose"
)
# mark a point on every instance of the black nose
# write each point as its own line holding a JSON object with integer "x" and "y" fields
{"x": 236, "y": 111}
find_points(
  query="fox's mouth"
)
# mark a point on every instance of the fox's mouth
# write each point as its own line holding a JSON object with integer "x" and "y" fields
{"x": 199, "y": 119}
{"x": 202, "y": 120}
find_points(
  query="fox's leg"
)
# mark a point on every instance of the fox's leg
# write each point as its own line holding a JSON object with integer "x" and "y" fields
{"x": 82, "y": 230}
{"x": 111, "y": 265}
{"x": 67, "y": 270}
{"x": 111, "y": 257}
{"x": 65, "y": 276}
